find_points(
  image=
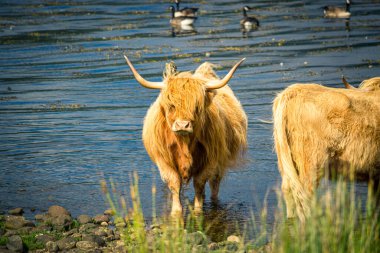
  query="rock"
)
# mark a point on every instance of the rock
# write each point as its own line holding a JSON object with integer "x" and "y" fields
{"x": 66, "y": 243}
{"x": 213, "y": 246}
{"x": 94, "y": 238}
{"x": 44, "y": 239}
{"x": 62, "y": 221}
{"x": 14, "y": 222}
{"x": 229, "y": 246}
{"x": 15, "y": 243}
{"x": 52, "y": 246}
{"x": 55, "y": 211}
{"x": 71, "y": 232}
{"x": 24, "y": 230}
{"x": 77, "y": 236}
{"x": 233, "y": 238}
{"x": 86, "y": 245}
{"x": 101, "y": 218}
{"x": 16, "y": 211}
{"x": 83, "y": 219}
{"x": 87, "y": 227}
{"x": 109, "y": 212}
{"x": 197, "y": 238}
{"x": 40, "y": 217}
{"x": 101, "y": 232}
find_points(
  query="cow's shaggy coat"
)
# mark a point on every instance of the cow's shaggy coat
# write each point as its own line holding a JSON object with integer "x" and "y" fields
{"x": 319, "y": 129}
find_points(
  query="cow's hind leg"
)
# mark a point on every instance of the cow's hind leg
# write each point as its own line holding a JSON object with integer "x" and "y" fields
{"x": 288, "y": 196}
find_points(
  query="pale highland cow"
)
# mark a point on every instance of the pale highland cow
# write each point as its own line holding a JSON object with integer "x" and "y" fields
{"x": 196, "y": 129}
{"x": 319, "y": 130}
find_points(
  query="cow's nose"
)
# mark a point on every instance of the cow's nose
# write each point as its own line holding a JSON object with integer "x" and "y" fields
{"x": 183, "y": 126}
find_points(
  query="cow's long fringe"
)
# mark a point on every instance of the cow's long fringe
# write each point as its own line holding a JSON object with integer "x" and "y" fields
{"x": 285, "y": 160}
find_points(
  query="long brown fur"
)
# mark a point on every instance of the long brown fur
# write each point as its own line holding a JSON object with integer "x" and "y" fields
{"x": 218, "y": 139}
{"x": 319, "y": 129}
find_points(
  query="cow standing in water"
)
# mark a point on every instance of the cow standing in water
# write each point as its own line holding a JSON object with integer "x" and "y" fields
{"x": 196, "y": 129}
{"x": 320, "y": 130}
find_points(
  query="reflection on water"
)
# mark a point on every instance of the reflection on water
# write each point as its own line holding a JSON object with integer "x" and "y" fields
{"x": 71, "y": 112}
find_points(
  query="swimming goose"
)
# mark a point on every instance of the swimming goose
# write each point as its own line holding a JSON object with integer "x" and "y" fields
{"x": 181, "y": 21}
{"x": 337, "y": 12}
{"x": 248, "y": 22}
{"x": 185, "y": 12}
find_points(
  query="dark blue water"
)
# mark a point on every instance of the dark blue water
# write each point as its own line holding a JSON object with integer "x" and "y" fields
{"x": 71, "y": 114}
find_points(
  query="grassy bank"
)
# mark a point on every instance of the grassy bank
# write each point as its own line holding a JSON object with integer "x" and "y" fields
{"x": 339, "y": 222}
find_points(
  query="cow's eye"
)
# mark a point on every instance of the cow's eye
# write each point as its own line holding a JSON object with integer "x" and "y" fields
{"x": 171, "y": 108}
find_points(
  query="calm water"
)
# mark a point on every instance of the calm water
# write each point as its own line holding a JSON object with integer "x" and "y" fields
{"x": 71, "y": 114}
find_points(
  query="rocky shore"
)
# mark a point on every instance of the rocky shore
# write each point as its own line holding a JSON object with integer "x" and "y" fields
{"x": 57, "y": 231}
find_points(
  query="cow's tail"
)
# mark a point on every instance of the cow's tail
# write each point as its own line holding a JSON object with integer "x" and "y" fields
{"x": 285, "y": 160}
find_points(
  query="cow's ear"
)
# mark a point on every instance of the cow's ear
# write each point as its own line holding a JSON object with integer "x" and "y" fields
{"x": 210, "y": 94}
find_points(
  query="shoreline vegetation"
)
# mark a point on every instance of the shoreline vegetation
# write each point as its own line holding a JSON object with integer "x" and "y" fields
{"x": 339, "y": 222}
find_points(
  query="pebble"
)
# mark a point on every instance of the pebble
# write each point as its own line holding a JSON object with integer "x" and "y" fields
{"x": 84, "y": 219}
{"x": 95, "y": 235}
{"x": 16, "y": 211}
{"x": 101, "y": 218}
{"x": 57, "y": 211}
{"x": 233, "y": 238}
{"x": 15, "y": 243}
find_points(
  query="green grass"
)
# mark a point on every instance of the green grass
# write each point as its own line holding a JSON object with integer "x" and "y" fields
{"x": 339, "y": 222}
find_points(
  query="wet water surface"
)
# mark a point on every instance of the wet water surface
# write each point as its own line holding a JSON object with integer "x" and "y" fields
{"x": 71, "y": 113}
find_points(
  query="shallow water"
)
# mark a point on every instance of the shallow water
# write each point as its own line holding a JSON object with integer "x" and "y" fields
{"x": 71, "y": 113}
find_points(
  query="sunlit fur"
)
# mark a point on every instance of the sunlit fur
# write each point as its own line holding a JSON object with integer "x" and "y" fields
{"x": 218, "y": 139}
{"x": 319, "y": 129}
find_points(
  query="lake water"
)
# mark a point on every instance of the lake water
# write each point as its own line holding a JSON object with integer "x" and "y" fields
{"x": 71, "y": 114}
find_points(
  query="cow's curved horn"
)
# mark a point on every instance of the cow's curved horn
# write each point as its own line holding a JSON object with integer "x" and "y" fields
{"x": 216, "y": 84}
{"x": 347, "y": 85}
{"x": 142, "y": 81}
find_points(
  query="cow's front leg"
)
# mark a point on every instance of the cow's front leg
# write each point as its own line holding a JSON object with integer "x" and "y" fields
{"x": 199, "y": 188}
{"x": 214, "y": 186}
{"x": 173, "y": 180}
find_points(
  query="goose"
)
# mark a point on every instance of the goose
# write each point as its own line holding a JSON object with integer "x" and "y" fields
{"x": 180, "y": 21}
{"x": 337, "y": 12}
{"x": 185, "y": 12}
{"x": 248, "y": 22}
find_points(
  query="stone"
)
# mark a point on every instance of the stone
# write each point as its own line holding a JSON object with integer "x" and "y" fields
{"x": 101, "y": 232}
{"x": 44, "y": 239}
{"x": 86, "y": 245}
{"x": 55, "y": 211}
{"x": 62, "y": 220}
{"x": 16, "y": 211}
{"x": 83, "y": 219}
{"x": 66, "y": 243}
{"x": 87, "y": 227}
{"x": 213, "y": 246}
{"x": 109, "y": 212}
{"x": 52, "y": 246}
{"x": 77, "y": 236}
{"x": 15, "y": 243}
{"x": 14, "y": 222}
{"x": 233, "y": 238}
{"x": 197, "y": 238}
{"x": 40, "y": 217}
{"x": 94, "y": 238}
{"x": 101, "y": 218}
{"x": 24, "y": 230}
